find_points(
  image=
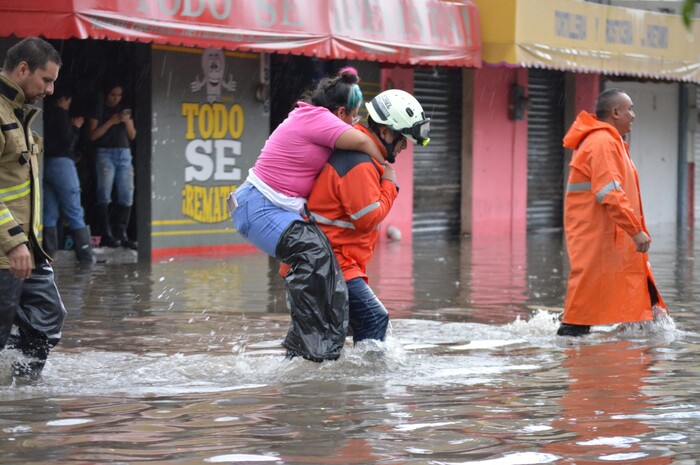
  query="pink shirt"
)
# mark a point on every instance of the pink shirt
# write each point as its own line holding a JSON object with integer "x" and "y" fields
{"x": 297, "y": 150}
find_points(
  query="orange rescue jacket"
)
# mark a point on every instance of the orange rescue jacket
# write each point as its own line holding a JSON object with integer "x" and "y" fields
{"x": 348, "y": 201}
{"x": 609, "y": 282}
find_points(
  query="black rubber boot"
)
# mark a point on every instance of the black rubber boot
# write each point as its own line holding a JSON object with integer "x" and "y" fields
{"x": 83, "y": 247}
{"x": 50, "y": 244}
{"x": 36, "y": 348}
{"x": 103, "y": 220}
{"x": 566, "y": 329}
{"x": 123, "y": 215}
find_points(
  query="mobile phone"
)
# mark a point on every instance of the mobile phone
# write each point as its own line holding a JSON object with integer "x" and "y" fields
{"x": 127, "y": 111}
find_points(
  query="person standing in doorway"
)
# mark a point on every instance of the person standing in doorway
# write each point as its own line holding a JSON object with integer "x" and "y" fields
{"x": 112, "y": 130}
{"x": 61, "y": 182}
{"x": 29, "y": 299}
{"x": 606, "y": 235}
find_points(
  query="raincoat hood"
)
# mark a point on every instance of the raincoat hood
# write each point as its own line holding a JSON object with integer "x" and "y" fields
{"x": 584, "y": 125}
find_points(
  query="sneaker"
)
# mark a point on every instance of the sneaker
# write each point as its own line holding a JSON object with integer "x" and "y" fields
{"x": 566, "y": 329}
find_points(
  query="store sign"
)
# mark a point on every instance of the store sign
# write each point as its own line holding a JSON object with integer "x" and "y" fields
{"x": 584, "y": 36}
{"x": 432, "y": 32}
{"x": 213, "y": 132}
{"x": 209, "y": 126}
{"x": 438, "y": 23}
{"x": 267, "y": 13}
{"x": 187, "y": 8}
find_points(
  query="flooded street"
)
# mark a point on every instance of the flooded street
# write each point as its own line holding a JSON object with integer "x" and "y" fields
{"x": 180, "y": 363}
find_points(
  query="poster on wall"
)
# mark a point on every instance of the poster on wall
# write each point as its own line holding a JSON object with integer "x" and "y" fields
{"x": 209, "y": 125}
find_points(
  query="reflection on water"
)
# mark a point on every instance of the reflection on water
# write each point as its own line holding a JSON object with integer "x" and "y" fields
{"x": 600, "y": 404}
{"x": 180, "y": 363}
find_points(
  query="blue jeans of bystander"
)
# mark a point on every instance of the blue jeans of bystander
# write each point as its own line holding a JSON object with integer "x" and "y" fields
{"x": 62, "y": 193}
{"x": 114, "y": 168}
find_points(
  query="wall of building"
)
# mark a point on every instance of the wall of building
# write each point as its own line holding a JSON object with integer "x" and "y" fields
{"x": 654, "y": 146}
{"x": 586, "y": 92}
{"x": 205, "y": 138}
{"x": 694, "y": 151}
{"x": 401, "y": 214}
{"x": 494, "y": 180}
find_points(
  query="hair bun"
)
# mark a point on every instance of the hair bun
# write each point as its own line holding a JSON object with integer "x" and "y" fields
{"x": 349, "y": 75}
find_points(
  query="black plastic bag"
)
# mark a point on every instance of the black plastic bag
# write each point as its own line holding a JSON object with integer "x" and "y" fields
{"x": 317, "y": 295}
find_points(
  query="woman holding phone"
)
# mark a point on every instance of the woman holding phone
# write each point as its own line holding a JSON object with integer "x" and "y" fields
{"x": 112, "y": 131}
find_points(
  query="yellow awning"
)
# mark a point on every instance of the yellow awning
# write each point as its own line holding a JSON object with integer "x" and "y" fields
{"x": 580, "y": 36}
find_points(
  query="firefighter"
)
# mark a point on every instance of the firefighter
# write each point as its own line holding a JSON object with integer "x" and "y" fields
{"x": 29, "y": 298}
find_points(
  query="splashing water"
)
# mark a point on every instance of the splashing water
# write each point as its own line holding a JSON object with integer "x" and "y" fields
{"x": 388, "y": 354}
{"x": 541, "y": 323}
{"x": 662, "y": 326}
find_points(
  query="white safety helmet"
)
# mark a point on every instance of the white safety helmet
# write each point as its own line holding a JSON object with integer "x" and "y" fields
{"x": 401, "y": 112}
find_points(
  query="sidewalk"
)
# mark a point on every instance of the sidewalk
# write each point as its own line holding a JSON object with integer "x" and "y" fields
{"x": 103, "y": 255}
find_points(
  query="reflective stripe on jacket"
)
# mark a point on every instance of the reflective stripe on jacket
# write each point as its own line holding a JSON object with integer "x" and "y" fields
{"x": 602, "y": 211}
{"x": 20, "y": 201}
{"x": 349, "y": 201}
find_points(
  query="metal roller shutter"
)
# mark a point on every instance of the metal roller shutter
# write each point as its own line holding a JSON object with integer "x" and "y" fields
{"x": 545, "y": 155}
{"x": 438, "y": 167}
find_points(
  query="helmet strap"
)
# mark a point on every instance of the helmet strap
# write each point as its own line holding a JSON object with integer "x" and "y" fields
{"x": 390, "y": 147}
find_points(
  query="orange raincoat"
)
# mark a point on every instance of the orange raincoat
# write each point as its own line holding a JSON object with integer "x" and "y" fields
{"x": 610, "y": 282}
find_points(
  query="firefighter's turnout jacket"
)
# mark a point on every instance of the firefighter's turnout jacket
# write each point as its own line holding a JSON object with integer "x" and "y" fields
{"x": 20, "y": 201}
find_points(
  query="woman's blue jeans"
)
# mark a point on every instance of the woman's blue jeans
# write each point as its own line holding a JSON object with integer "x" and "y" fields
{"x": 259, "y": 220}
{"x": 368, "y": 317}
{"x": 62, "y": 193}
{"x": 316, "y": 290}
{"x": 114, "y": 168}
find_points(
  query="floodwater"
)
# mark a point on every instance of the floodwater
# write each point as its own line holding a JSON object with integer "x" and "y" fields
{"x": 180, "y": 363}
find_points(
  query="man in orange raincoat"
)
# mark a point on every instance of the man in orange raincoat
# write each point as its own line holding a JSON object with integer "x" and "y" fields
{"x": 606, "y": 236}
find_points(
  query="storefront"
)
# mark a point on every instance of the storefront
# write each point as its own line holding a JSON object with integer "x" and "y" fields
{"x": 200, "y": 77}
{"x": 545, "y": 160}
{"x": 552, "y": 58}
{"x": 437, "y": 167}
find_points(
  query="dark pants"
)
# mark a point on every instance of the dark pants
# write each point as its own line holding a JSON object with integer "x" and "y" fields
{"x": 368, "y": 317}
{"x": 35, "y": 306}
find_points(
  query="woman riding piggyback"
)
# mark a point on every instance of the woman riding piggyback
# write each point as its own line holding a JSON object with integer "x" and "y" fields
{"x": 271, "y": 201}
